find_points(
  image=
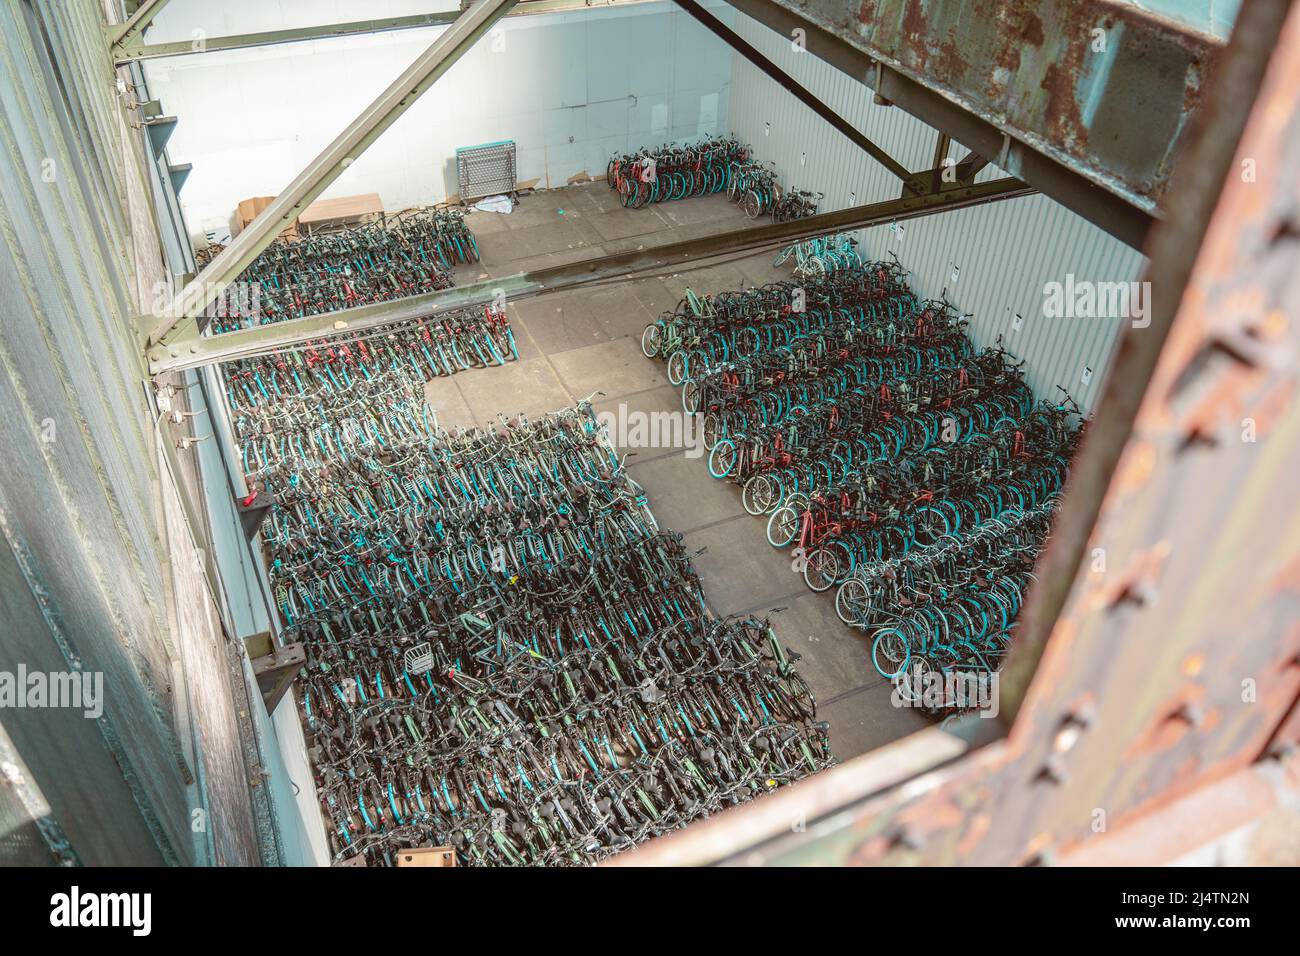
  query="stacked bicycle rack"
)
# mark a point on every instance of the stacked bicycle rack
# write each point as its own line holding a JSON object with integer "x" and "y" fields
{"x": 896, "y": 462}
{"x": 700, "y": 169}
{"x": 505, "y": 654}
{"x": 408, "y": 254}
{"x": 675, "y": 172}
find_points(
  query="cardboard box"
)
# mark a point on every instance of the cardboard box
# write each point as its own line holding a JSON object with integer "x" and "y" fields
{"x": 249, "y": 209}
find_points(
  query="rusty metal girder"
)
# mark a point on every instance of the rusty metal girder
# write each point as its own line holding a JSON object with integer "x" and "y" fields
{"x": 1175, "y": 661}
{"x": 1088, "y": 100}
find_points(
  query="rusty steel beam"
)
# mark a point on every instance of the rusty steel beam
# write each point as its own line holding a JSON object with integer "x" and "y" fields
{"x": 1020, "y": 82}
{"x": 1174, "y": 249}
{"x": 1248, "y": 818}
{"x": 1175, "y": 660}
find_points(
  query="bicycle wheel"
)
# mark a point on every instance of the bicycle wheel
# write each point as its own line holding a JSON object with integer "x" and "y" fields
{"x": 713, "y": 430}
{"x": 722, "y": 459}
{"x": 677, "y": 367}
{"x": 756, "y": 496}
{"x": 853, "y": 603}
{"x": 890, "y": 653}
{"x": 821, "y": 568}
{"x": 782, "y": 526}
{"x": 652, "y": 340}
{"x": 747, "y": 342}
{"x": 691, "y": 397}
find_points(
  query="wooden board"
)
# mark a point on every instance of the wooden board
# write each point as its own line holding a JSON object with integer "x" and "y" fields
{"x": 427, "y": 856}
{"x": 342, "y": 208}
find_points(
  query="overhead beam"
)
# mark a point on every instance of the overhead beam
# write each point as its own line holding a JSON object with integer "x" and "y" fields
{"x": 1097, "y": 131}
{"x": 137, "y": 49}
{"x": 942, "y": 144}
{"x": 330, "y": 164}
{"x": 135, "y": 25}
{"x": 193, "y": 350}
{"x": 801, "y": 93}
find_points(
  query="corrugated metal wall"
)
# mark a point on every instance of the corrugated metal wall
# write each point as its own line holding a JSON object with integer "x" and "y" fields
{"x": 1004, "y": 254}
{"x": 88, "y": 511}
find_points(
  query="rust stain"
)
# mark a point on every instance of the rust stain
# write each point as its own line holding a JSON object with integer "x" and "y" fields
{"x": 1033, "y": 30}
{"x": 933, "y": 813}
{"x": 1168, "y": 729}
{"x": 1225, "y": 404}
{"x": 951, "y": 66}
{"x": 870, "y": 851}
{"x": 1144, "y": 570}
{"x": 1017, "y": 29}
{"x": 1063, "y": 116}
{"x": 1037, "y": 844}
{"x": 1272, "y": 407}
{"x": 915, "y": 30}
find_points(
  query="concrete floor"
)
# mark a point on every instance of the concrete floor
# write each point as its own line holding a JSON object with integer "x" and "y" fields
{"x": 575, "y": 343}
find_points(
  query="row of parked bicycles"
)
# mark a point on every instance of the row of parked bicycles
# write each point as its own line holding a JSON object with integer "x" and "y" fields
{"x": 505, "y": 653}
{"x": 700, "y": 169}
{"x": 330, "y": 399}
{"x": 812, "y": 258}
{"x": 337, "y": 374}
{"x": 675, "y": 172}
{"x": 757, "y": 189}
{"x": 403, "y": 255}
{"x": 898, "y": 464}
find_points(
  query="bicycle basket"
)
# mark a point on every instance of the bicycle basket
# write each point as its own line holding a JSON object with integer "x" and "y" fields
{"x": 419, "y": 658}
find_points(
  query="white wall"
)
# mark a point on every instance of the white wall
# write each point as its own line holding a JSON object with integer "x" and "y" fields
{"x": 570, "y": 89}
{"x": 1005, "y": 253}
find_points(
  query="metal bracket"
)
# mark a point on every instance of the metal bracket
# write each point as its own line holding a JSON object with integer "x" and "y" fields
{"x": 275, "y": 670}
{"x": 252, "y": 509}
{"x": 130, "y": 33}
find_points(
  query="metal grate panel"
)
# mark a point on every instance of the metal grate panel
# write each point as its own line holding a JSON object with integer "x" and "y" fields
{"x": 486, "y": 170}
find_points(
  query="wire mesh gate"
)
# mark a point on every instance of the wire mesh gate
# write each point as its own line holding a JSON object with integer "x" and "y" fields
{"x": 486, "y": 170}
